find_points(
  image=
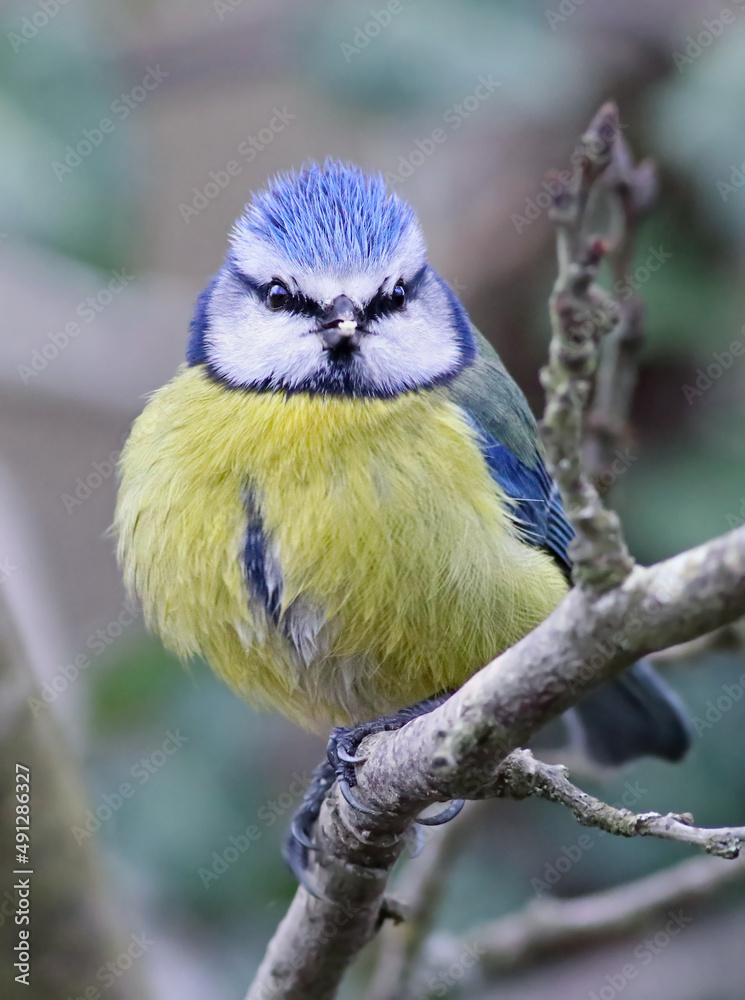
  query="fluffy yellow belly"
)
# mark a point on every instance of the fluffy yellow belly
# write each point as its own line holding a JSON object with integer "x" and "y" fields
{"x": 393, "y": 541}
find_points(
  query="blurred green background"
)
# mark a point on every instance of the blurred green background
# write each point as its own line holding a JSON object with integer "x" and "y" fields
{"x": 186, "y": 89}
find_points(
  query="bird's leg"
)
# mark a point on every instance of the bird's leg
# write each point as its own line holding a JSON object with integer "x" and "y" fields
{"x": 340, "y": 766}
{"x": 344, "y": 740}
{"x": 298, "y": 841}
{"x": 343, "y": 756}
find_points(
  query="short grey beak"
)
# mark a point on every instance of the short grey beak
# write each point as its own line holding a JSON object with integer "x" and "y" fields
{"x": 340, "y": 330}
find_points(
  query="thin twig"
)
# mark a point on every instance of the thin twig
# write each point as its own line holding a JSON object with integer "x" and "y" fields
{"x": 582, "y": 313}
{"x": 524, "y": 775}
{"x": 632, "y": 190}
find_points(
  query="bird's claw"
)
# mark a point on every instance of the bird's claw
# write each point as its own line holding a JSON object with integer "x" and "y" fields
{"x": 450, "y": 812}
{"x": 349, "y": 758}
{"x": 350, "y": 798}
{"x": 300, "y": 835}
{"x": 342, "y": 750}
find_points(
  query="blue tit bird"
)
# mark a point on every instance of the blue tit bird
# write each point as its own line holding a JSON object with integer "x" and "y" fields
{"x": 340, "y": 501}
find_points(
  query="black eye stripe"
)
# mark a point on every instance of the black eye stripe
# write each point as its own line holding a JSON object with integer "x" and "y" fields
{"x": 297, "y": 303}
{"x": 382, "y": 305}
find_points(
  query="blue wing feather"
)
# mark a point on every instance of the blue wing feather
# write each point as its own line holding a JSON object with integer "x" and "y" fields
{"x": 507, "y": 432}
{"x": 534, "y": 497}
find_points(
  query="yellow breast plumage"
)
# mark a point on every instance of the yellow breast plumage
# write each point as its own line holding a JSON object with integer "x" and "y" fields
{"x": 397, "y": 552}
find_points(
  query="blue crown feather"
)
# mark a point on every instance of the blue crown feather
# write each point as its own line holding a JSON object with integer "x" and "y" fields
{"x": 325, "y": 215}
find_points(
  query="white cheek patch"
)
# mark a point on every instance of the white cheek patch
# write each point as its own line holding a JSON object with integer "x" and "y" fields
{"x": 248, "y": 345}
{"x": 411, "y": 350}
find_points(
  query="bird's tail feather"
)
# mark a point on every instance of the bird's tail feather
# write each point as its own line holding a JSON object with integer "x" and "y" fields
{"x": 635, "y": 715}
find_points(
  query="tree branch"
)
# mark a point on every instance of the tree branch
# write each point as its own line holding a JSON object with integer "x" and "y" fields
{"x": 729, "y": 638}
{"x": 523, "y": 776}
{"x": 633, "y": 190}
{"x": 421, "y": 892}
{"x": 582, "y": 313}
{"x": 548, "y": 926}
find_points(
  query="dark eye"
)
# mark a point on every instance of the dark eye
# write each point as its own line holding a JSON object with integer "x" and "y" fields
{"x": 278, "y": 296}
{"x": 398, "y": 296}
